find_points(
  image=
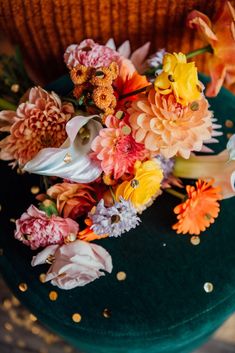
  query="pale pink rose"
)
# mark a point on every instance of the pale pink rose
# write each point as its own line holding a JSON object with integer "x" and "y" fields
{"x": 75, "y": 264}
{"x": 36, "y": 229}
{"x": 90, "y": 54}
{"x": 38, "y": 123}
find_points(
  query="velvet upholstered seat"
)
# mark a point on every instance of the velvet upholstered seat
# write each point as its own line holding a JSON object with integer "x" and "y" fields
{"x": 163, "y": 305}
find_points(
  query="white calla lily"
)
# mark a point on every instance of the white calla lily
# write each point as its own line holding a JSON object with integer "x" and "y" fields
{"x": 71, "y": 160}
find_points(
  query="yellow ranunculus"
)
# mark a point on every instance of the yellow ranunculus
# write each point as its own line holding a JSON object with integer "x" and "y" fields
{"x": 144, "y": 187}
{"x": 178, "y": 77}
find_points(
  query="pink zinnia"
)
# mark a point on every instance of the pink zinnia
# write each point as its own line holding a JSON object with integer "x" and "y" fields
{"x": 90, "y": 54}
{"x": 38, "y": 123}
{"x": 117, "y": 150}
{"x": 36, "y": 229}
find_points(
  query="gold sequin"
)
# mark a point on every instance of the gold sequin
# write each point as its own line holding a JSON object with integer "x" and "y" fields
{"x": 23, "y": 287}
{"x": 67, "y": 158}
{"x": 208, "y": 287}
{"x": 7, "y": 304}
{"x": 195, "y": 240}
{"x": 15, "y": 88}
{"x": 8, "y": 339}
{"x": 32, "y": 317}
{"x": 42, "y": 277}
{"x": 126, "y": 130}
{"x": 21, "y": 344}
{"x": 229, "y": 123}
{"x": 121, "y": 276}
{"x": 107, "y": 313}
{"x": 12, "y": 220}
{"x": 76, "y": 318}
{"x": 53, "y": 295}
{"x": 35, "y": 190}
{"x": 229, "y": 135}
{"x": 8, "y": 326}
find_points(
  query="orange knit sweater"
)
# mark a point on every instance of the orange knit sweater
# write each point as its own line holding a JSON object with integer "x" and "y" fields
{"x": 44, "y": 28}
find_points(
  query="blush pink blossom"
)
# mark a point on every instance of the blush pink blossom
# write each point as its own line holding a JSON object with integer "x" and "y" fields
{"x": 36, "y": 229}
{"x": 90, "y": 54}
{"x": 38, "y": 123}
{"x": 76, "y": 264}
{"x": 117, "y": 150}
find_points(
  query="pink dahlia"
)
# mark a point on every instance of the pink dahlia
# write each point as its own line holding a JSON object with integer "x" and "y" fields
{"x": 89, "y": 54}
{"x": 38, "y": 123}
{"x": 36, "y": 229}
{"x": 117, "y": 150}
{"x": 166, "y": 127}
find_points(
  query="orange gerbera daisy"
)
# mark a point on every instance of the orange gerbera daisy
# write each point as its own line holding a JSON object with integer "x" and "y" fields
{"x": 199, "y": 210}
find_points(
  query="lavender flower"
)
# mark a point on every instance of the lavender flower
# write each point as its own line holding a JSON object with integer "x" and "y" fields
{"x": 114, "y": 220}
{"x": 167, "y": 165}
{"x": 156, "y": 60}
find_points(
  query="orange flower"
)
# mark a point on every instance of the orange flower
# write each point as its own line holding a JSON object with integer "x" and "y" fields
{"x": 88, "y": 234}
{"x": 128, "y": 81}
{"x": 221, "y": 37}
{"x": 199, "y": 210}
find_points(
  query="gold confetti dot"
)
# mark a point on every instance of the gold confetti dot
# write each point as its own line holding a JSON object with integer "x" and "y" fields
{"x": 35, "y": 190}
{"x": 120, "y": 114}
{"x": 0, "y": 208}
{"x": 67, "y": 158}
{"x": 8, "y": 339}
{"x": 1, "y": 251}
{"x": 229, "y": 123}
{"x": 42, "y": 277}
{"x": 12, "y": 220}
{"x": 208, "y": 287}
{"x": 126, "y": 130}
{"x": 195, "y": 240}
{"x": 8, "y": 326}
{"x": 53, "y": 295}
{"x": 32, "y": 317}
{"x": 7, "y": 304}
{"x": 121, "y": 276}
{"x": 15, "y": 301}
{"x": 107, "y": 313}
{"x": 229, "y": 135}
{"x": 76, "y": 318}
{"x": 21, "y": 344}
{"x": 15, "y": 87}
{"x": 23, "y": 287}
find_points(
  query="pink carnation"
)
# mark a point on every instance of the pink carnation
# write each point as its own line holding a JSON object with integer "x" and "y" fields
{"x": 117, "y": 149}
{"x": 90, "y": 54}
{"x": 36, "y": 229}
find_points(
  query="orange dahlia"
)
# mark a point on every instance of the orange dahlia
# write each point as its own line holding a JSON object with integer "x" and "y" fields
{"x": 199, "y": 210}
{"x": 166, "y": 127}
{"x": 38, "y": 123}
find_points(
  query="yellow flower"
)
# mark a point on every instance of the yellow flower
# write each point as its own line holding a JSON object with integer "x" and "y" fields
{"x": 179, "y": 77}
{"x": 144, "y": 187}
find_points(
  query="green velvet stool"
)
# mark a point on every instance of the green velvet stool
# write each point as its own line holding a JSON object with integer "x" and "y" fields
{"x": 162, "y": 305}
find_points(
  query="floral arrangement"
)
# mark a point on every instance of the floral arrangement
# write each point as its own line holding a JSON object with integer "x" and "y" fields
{"x": 128, "y": 131}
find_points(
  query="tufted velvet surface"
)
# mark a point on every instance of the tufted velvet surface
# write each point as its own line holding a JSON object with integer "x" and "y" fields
{"x": 161, "y": 307}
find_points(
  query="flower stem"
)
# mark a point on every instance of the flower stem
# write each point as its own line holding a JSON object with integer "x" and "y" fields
{"x": 191, "y": 54}
{"x": 4, "y": 104}
{"x": 133, "y": 93}
{"x": 112, "y": 193}
{"x": 175, "y": 193}
{"x": 207, "y": 49}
